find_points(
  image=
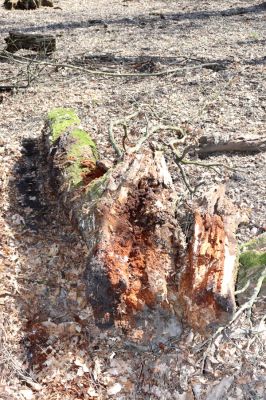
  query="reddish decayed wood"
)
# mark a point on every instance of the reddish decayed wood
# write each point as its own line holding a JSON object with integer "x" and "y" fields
{"x": 135, "y": 256}
{"x": 206, "y": 289}
{"x": 136, "y": 246}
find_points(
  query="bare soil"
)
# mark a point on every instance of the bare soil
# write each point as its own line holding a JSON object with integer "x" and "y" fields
{"x": 50, "y": 347}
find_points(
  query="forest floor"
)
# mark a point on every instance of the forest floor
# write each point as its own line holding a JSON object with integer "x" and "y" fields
{"x": 50, "y": 347}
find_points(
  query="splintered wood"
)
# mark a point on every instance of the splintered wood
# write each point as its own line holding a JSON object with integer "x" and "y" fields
{"x": 138, "y": 240}
{"x": 140, "y": 267}
{"x": 206, "y": 288}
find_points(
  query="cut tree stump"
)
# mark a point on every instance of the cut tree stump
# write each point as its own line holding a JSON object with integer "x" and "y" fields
{"x": 26, "y": 4}
{"x": 30, "y": 41}
{"x": 212, "y": 144}
{"x": 126, "y": 215}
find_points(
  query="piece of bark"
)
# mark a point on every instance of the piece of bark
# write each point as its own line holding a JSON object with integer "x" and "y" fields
{"x": 220, "y": 144}
{"x": 30, "y": 41}
{"x": 206, "y": 288}
{"x": 127, "y": 219}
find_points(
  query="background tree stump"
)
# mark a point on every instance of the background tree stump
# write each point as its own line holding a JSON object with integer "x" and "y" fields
{"x": 31, "y": 41}
{"x": 27, "y": 4}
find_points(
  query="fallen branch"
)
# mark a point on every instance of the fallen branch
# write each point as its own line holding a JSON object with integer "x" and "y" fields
{"x": 174, "y": 71}
{"x": 147, "y": 132}
{"x": 246, "y": 306}
{"x": 119, "y": 122}
{"x": 180, "y": 160}
{"x": 213, "y": 145}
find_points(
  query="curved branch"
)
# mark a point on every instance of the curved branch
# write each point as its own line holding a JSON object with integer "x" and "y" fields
{"x": 173, "y": 71}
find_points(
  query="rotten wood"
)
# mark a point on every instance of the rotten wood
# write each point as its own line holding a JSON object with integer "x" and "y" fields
{"x": 219, "y": 144}
{"x": 126, "y": 215}
{"x": 127, "y": 219}
{"x": 30, "y": 41}
{"x": 207, "y": 282}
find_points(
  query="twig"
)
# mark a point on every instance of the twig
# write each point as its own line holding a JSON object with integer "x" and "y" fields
{"x": 246, "y": 306}
{"x": 23, "y": 60}
{"x": 186, "y": 182}
{"x": 206, "y": 165}
{"x": 152, "y": 131}
{"x": 31, "y": 77}
{"x": 118, "y": 122}
{"x": 181, "y": 159}
{"x": 244, "y": 288}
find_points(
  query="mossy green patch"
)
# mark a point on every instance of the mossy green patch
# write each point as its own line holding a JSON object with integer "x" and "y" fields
{"x": 83, "y": 148}
{"x": 62, "y": 119}
{"x": 250, "y": 259}
{"x": 83, "y": 139}
{"x": 253, "y": 253}
{"x": 79, "y": 144}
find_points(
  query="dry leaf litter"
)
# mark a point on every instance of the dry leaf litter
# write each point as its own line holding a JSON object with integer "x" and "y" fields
{"x": 50, "y": 347}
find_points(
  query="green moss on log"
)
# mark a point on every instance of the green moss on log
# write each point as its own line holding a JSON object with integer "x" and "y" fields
{"x": 61, "y": 119}
{"x": 78, "y": 144}
{"x": 82, "y": 140}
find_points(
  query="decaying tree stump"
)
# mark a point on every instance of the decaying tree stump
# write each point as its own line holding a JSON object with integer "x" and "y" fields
{"x": 27, "y": 4}
{"x": 31, "y": 41}
{"x": 126, "y": 215}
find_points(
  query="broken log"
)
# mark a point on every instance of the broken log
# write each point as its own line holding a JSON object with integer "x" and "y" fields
{"x": 127, "y": 219}
{"x": 207, "y": 282}
{"x": 126, "y": 215}
{"x": 30, "y": 41}
{"x": 26, "y": 4}
{"x": 213, "y": 144}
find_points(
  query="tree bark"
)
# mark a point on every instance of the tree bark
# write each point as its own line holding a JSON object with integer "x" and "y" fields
{"x": 126, "y": 216}
{"x": 31, "y": 41}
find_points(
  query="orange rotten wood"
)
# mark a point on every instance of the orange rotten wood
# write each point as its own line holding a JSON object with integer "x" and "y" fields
{"x": 207, "y": 282}
{"x": 126, "y": 215}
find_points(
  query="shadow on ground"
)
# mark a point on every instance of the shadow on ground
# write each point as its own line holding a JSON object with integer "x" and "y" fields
{"x": 52, "y": 255}
{"x": 152, "y": 18}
